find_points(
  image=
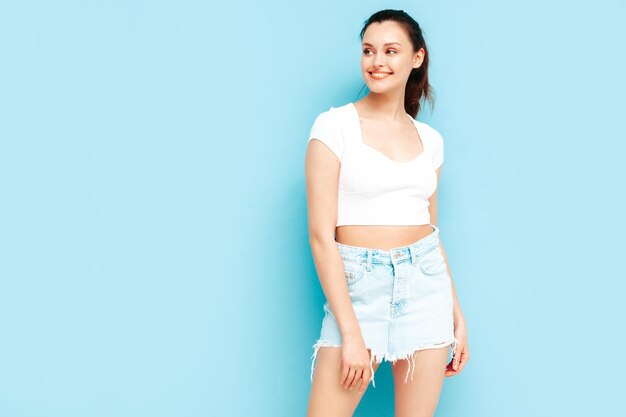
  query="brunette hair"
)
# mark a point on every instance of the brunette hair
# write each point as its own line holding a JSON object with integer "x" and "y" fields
{"x": 417, "y": 86}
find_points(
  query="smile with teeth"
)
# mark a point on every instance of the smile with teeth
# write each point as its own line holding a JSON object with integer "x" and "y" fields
{"x": 380, "y": 74}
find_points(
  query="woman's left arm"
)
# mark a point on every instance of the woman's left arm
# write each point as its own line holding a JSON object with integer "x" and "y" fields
{"x": 458, "y": 314}
{"x": 460, "y": 328}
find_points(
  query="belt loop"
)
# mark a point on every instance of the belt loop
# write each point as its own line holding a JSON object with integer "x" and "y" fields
{"x": 413, "y": 255}
{"x": 369, "y": 259}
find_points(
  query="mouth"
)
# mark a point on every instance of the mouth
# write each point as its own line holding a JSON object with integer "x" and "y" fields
{"x": 379, "y": 75}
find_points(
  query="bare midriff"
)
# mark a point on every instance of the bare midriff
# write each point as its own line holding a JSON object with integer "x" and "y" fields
{"x": 381, "y": 237}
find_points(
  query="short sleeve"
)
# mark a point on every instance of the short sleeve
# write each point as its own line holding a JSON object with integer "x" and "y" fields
{"x": 438, "y": 149}
{"x": 326, "y": 130}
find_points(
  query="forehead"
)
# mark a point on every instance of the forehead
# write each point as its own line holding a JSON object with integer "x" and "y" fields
{"x": 379, "y": 34}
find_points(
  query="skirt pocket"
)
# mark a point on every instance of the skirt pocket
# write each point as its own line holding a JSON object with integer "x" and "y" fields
{"x": 433, "y": 263}
{"x": 354, "y": 270}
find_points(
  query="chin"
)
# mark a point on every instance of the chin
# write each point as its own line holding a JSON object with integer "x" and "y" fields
{"x": 378, "y": 89}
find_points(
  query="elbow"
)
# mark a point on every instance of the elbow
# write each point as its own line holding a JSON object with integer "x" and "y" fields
{"x": 321, "y": 240}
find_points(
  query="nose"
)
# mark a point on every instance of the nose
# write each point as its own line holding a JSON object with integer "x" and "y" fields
{"x": 379, "y": 60}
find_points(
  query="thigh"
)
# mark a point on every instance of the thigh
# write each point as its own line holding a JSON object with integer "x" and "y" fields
{"x": 328, "y": 398}
{"x": 419, "y": 397}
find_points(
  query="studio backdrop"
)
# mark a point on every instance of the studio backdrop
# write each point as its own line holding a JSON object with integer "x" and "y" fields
{"x": 154, "y": 253}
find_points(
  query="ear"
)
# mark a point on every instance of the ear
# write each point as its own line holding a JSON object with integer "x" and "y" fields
{"x": 418, "y": 58}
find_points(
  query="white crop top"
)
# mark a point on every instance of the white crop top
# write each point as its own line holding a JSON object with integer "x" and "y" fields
{"x": 374, "y": 189}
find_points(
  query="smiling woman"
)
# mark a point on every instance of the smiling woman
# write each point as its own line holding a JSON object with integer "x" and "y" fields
{"x": 372, "y": 174}
{"x": 378, "y": 75}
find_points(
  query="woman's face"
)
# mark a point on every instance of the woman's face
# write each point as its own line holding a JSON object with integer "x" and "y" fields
{"x": 387, "y": 57}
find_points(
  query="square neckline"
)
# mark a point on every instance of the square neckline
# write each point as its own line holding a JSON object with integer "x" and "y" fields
{"x": 360, "y": 135}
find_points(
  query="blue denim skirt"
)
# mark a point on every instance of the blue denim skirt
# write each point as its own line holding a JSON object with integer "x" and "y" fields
{"x": 402, "y": 299}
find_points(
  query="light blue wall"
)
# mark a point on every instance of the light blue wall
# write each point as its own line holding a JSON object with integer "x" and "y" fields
{"x": 153, "y": 237}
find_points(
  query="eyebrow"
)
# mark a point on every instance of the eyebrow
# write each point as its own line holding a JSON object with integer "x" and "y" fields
{"x": 388, "y": 43}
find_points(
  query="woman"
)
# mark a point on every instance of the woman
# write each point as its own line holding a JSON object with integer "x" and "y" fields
{"x": 372, "y": 172}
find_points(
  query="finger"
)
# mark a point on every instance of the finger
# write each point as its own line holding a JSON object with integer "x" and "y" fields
{"x": 450, "y": 371}
{"x": 362, "y": 384}
{"x": 367, "y": 375}
{"x": 347, "y": 379}
{"x": 365, "y": 380}
{"x": 357, "y": 377}
{"x": 344, "y": 374}
{"x": 350, "y": 378}
{"x": 464, "y": 359}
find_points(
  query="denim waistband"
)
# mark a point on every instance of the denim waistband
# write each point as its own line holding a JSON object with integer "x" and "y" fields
{"x": 394, "y": 255}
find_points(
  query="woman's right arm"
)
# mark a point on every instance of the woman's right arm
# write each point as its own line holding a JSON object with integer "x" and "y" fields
{"x": 322, "y": 177}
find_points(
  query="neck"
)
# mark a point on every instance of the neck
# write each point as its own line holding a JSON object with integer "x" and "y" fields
{"x": 385, "y": 106}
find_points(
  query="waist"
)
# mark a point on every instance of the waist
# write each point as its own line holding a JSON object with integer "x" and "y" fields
{"x": 382, "y": 238}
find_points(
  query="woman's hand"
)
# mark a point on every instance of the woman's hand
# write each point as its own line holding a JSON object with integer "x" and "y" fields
{"x": 462, "y": 354}
{"x": 355, "y": 359}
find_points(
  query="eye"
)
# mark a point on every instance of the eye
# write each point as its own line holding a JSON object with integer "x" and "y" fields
{"x": 367, "y": 50}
